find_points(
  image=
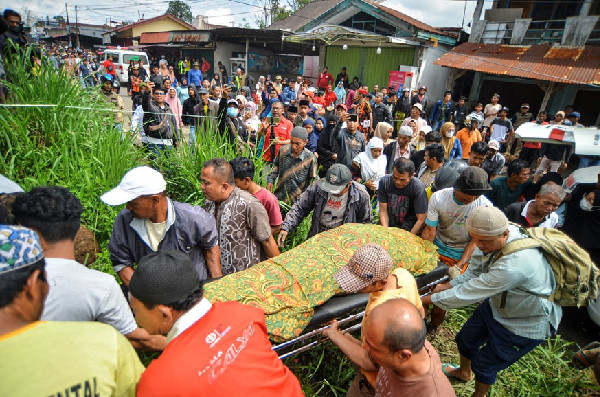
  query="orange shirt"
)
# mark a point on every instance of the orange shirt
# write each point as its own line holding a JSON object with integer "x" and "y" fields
{"x": 283, "y": 131}
{"x": 467, "y": 139}
{"x": 225, "y": 353}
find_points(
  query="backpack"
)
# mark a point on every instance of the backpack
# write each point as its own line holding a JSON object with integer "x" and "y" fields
{"x": 111, "y": 68}
{"x": 575, "y": 273}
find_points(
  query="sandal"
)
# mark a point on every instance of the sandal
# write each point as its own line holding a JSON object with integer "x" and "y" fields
{"x": 580, "y": 360}
{"x": 447, "y": 366}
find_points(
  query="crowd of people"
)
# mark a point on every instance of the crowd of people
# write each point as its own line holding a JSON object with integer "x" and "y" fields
{"x": 337, "y": 152}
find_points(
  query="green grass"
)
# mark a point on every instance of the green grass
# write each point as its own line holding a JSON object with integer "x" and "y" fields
{"x": 77, "y": 149}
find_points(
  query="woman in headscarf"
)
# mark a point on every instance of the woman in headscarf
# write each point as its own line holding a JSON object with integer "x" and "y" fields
{"x": 172, "y": 77}
{"x": 251, "y": 120}
{"x": 313, "y": 138}
{"x": 327, "y": 146}
{"x": 372, "y": 164}
{"x": 330, "y": 96}
{"x": 452, "y": 147}
{"x": 241, "y": 100}
{"x": 175, "y": 106}
{"x": 320, "y": 124}
{"x": 384, "y": 132}
{"x": 340, "y": 93}
{"x": 162, "y": 69}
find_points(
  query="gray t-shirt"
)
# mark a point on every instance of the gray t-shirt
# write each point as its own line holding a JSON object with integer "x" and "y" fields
{"x": 81, "y": 294}
{"x": 333, "y": 213}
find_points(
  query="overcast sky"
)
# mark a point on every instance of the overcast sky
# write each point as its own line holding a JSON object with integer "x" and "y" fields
{"x": 225, "y": 12}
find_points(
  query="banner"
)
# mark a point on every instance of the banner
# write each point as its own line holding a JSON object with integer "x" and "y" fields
{"x": 397, "y": 80}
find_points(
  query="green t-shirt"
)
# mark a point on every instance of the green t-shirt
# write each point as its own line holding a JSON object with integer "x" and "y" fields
{"x": 68, "y": 358}
{"x": 501, "y": 195}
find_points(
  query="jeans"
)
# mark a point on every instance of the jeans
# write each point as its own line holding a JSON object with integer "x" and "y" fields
{"x": 585, "y": 161}
{"x": 157, "y": 150}
{"x": 490, "y": 347}
{"x": 437, "y": 125}
{"x": 192, "y": 139}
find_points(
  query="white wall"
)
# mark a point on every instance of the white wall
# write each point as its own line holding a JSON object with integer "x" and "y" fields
{"x": 223, "y": 52}
{"x": 433, "y": 76}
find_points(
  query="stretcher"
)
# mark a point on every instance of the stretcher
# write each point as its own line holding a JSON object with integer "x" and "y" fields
{"x": 349, "y": 311}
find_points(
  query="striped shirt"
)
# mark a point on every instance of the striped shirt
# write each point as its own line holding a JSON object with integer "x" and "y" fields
{"x": 294, "y": 174}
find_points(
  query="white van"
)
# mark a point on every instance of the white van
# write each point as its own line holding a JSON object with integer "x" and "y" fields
{"x": 121, "y": 57}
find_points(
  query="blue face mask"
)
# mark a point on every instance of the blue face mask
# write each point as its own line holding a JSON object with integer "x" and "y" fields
{"x": 232, "y": 112}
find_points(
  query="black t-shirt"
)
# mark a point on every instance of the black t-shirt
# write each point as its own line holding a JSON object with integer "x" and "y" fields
{"x": 404, "y": 204}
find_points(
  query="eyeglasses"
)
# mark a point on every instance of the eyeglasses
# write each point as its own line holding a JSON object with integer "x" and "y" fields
{"x": 159, "y": 93}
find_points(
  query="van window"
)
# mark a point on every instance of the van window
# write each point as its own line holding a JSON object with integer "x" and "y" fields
{"x": 115, "y": 56}
{"x": 135, "y": 57}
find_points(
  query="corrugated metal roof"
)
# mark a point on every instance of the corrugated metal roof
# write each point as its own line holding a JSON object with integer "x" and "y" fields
{"x": 314, "y": 9}
{"x": 306, "y": 14}
{"x": 571, "y": 65}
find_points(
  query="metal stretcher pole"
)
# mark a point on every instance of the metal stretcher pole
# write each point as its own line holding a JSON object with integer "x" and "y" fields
{"x": 318, "y": 332}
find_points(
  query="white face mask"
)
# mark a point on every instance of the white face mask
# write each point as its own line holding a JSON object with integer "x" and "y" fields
{"x": 585, "y": 205}
{"x": 449, "y": 134}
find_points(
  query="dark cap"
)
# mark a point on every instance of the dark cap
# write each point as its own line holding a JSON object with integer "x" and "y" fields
{"x": 303, "y": 102}
{"x": 293, "y": 109}
{"x": 337, "y": 178}
{"x": 164, "y": 277}
{"x": 473, "y": 181}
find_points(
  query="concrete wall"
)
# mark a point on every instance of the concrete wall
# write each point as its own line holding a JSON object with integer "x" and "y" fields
{"x": 433, "y": 76}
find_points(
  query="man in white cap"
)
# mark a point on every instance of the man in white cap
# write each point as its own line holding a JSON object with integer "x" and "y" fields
{"x": 494, "y": 161}
{"x": 151, "y": 222}
{"x": 416, "y": 110}
{"x": 333, "y": 201}
{"x": 398, "y": 149}
{"x": 514, "y": 316}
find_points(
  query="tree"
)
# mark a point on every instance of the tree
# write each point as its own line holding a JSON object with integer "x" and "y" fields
{"x": 181, "y": 10}
{"x": 28, "y": 16}
{"x": 59, "y": 18}
{"x": 244, "y": 24}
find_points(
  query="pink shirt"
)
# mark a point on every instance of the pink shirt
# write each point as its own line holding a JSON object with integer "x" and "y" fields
{"x": 271, "y": 204}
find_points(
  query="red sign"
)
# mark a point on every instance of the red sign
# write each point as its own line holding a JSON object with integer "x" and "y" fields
{"x": 397, "y": 79}
{"x": 557, "y": 134}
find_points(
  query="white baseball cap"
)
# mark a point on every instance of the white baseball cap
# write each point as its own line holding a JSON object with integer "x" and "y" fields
{"x": 139, "y": 181}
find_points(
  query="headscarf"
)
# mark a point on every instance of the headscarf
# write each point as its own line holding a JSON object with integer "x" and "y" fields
{"x": 370, "y": 168}
{"x": 175, "y": 105}
{"x": 381, "y": 131}
{"x": 324, "y": 125}
{"x": 448, "y": 143}
{"x": 340, "y": 92}
{"x": 253, "y": 120}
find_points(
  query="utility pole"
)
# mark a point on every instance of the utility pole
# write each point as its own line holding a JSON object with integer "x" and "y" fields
{"x": 76, "y": 27}
{"x": 68, "y": 28}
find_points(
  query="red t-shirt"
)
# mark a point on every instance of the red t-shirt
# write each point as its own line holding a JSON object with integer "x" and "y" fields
{"x": 283, "y": 131}
{"x": 225, "y": 353}
{"x": 109, "y": 67}
{"x": 271, "y": 204}
{"x": 324, "y": 80}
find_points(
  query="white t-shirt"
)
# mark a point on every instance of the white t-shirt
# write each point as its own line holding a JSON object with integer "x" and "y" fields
{"x": 450, "y": 219}
{"x": 81, "y": 294}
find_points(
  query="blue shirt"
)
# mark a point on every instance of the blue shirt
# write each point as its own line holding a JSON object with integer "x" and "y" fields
{"x": 195, "y": 77}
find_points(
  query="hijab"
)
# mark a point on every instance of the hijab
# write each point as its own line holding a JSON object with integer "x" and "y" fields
{"x": 381, "y": 132}
{"x": 370, "y": 168}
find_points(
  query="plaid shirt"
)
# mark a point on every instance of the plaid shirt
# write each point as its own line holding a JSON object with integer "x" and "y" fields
{"x": 294, "y": 174}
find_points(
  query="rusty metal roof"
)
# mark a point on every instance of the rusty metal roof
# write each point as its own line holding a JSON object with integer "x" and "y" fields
{"x": 570, "y": 65}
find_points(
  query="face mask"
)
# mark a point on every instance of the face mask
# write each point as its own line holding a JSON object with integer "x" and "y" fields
{"x": 449, "y": 134}
{"x": 232, "y": 112}
{"x": 585, "y": 205}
